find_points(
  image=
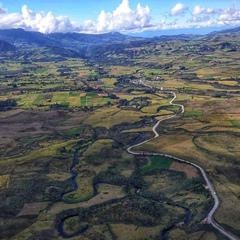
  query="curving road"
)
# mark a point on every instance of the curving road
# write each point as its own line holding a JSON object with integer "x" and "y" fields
{"x": 209, "y": 219}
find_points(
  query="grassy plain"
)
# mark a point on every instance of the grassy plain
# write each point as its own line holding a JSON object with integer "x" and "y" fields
{"x": 111, "y": 116}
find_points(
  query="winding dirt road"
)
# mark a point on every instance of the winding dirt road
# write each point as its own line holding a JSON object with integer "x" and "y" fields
{"x": 210, "y": 219}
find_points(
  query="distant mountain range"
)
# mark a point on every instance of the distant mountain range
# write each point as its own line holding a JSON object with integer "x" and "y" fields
{"x": 22, "y": 39}
{"x": 228, "y": 31}
{"x": 87, "y": 45}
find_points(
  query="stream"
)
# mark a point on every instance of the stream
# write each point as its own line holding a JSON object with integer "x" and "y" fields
{"x": 85, "y": 228}
{"x": 65, "y": 235}
{"x": 186, "y": 222}
{"x": 74, "y": 175}
{"x": 75, "y": 187}
{"x": 73, "y": 172}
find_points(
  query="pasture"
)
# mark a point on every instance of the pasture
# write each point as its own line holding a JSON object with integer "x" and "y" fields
{"x": 67, "y": 99}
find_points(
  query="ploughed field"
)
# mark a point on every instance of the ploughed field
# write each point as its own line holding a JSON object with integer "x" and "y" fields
{"x": 65, "y": 125}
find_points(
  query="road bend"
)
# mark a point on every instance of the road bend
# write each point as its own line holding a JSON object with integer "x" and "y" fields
{"x": 209, "y": 218}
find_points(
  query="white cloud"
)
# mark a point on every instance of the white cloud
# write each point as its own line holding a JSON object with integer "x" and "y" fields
{"x": 123, "y": 18}
{"x": 202, "y": 16}
{"x": 122, "y": 8}
{"x": 45, "y": 22}
{"x": 178, "y": 9}
{"x": 9, "y": 20}
{"x": 230, "y": 14}
{"x": 42, "y": 22}
{"x": 197, "y": 10}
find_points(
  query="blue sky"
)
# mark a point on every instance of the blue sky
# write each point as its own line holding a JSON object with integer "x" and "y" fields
{"x": 128, "y": 16}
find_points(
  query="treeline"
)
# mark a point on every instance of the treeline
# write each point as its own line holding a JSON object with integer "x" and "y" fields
{"x": 7, "y": 104}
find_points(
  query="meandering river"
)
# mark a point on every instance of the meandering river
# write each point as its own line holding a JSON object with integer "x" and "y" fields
{"x": 129, "y": 149}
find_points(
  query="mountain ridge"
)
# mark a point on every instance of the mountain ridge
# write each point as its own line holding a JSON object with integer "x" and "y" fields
{"x": 101, "y": 46}
{"x": 22, "y": 39}
{"x": 6, "y": 46}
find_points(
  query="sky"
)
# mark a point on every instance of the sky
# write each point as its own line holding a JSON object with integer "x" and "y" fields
{"x": 125, "y": 16}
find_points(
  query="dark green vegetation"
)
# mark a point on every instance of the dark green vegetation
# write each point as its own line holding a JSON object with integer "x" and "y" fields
{"x": 68, "y": 114}
{"x": 157, "y": 162}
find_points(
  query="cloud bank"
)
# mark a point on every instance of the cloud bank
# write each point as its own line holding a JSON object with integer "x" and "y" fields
{"x": 122, "y": 19}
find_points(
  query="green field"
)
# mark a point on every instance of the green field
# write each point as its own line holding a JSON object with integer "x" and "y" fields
{"x": 157, "y": 162}
{"x": 72, "y": 99}
{"x": 193, "y": 113}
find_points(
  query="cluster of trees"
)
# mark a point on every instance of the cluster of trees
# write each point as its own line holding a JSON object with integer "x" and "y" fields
{"x": 7, "y": 104}
{"x": 57, "y": 106}
{"x": 137, "y": 103}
